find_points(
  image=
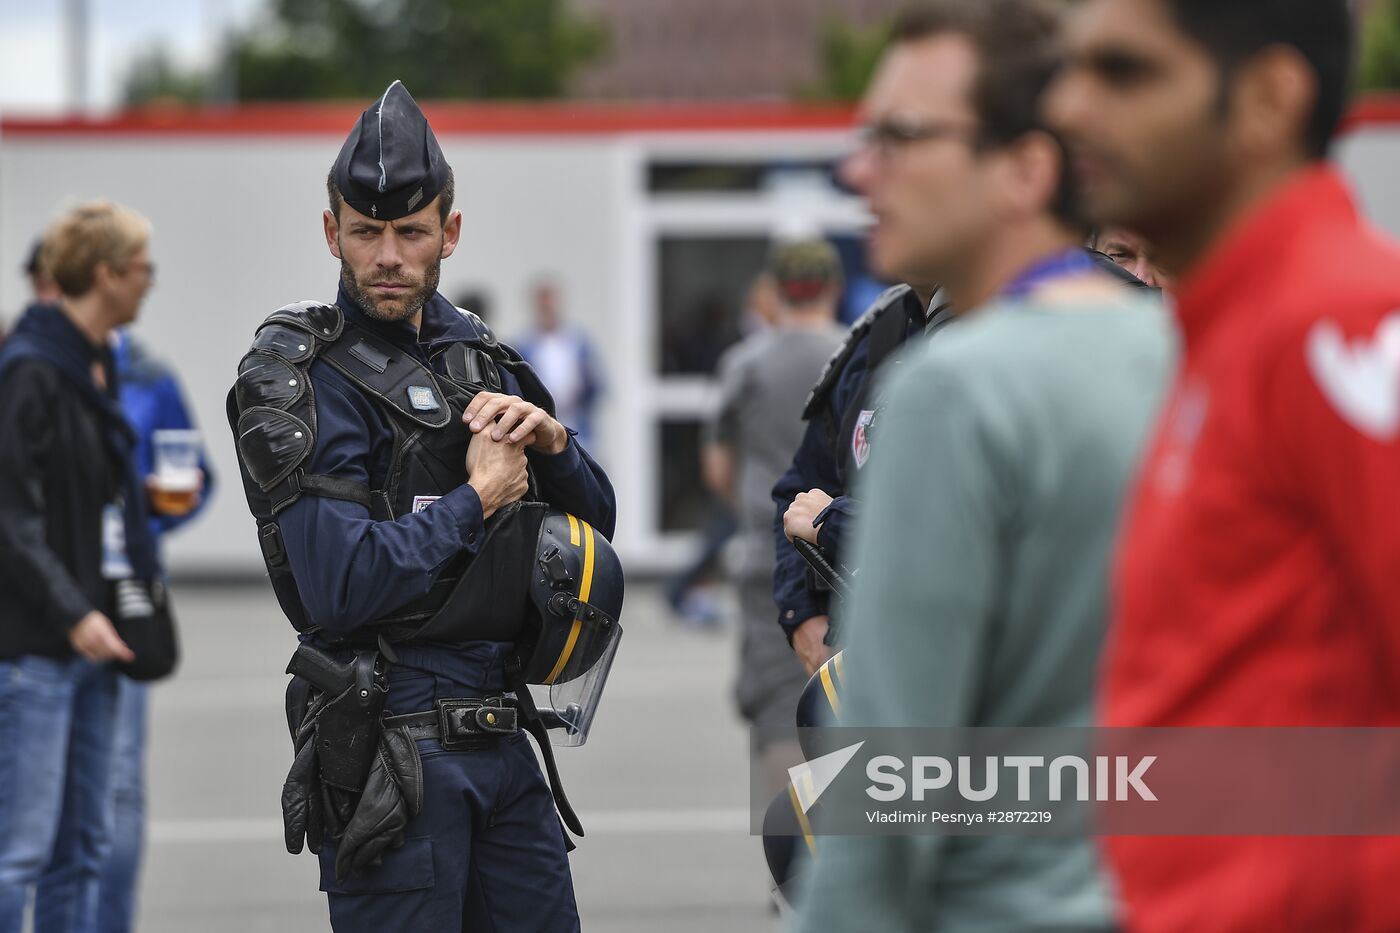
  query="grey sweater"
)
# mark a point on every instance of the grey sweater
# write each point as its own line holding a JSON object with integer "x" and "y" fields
{"x": 991, "y": 507}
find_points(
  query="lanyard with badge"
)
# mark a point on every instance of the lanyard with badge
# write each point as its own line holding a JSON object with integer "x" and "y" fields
{"x": 116, "y": 565}
{"x": 1066, "y": 264}
{"x": 132, "y": 599}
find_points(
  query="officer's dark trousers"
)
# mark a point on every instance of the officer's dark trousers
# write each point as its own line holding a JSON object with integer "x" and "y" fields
{"x": 486, "y": 855}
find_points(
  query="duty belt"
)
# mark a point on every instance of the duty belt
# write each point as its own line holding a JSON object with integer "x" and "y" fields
{"x": 461, "y": 724}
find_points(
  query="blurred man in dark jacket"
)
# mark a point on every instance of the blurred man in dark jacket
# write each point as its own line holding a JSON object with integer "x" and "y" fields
{"x": 152, "y": 400}
{"x": 73, "y": 531}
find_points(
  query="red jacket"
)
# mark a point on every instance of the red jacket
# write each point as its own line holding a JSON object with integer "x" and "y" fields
{"x": 1258, "y": 579}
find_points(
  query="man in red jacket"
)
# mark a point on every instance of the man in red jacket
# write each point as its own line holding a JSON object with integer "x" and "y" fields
{"x": 1258, "y": 578}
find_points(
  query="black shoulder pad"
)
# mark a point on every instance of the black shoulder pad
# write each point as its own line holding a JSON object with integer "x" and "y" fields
{"x": 265, "y": 379}
{"x": 274, "y": 415}
{"x": 272, "y": 443}
{"x": 483, "y": 335}
{"x": 889, "y": 298}
{"x": 322, "y": 321}
{"x": 275, "y": 427}
{"x": 1115, "y": 271}
{"x": 290, "y": 343}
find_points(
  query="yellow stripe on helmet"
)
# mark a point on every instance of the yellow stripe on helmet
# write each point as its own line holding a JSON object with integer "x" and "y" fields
{"x": 802, "y": 820}
{"x": 830, "y": 689}
{"x": 584, "y": 591}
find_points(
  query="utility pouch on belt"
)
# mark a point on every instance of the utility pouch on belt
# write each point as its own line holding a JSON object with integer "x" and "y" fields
{"x": 348, "y": 725}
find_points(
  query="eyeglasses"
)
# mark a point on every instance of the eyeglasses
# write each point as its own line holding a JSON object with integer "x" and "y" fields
{"x": 887, "y": 137}
{"x": 147, "y": 267}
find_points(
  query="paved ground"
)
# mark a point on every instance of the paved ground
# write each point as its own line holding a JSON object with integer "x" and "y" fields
{"x": 662, "y": 785}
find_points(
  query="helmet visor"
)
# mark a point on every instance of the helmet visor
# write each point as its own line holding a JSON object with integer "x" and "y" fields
{"x": 573, "y": 702}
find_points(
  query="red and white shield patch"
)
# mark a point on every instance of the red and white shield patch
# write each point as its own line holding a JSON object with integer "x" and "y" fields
{"x": 860, "y": 438}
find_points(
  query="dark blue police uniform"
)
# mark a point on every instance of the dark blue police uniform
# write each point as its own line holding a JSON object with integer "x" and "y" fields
{"x": 349, "y": 567}
{"x": 840, "y": 415}
{"x": 352, "y": 454}
{"x": 841, "y": 419}
{"x": 487, "y": 851}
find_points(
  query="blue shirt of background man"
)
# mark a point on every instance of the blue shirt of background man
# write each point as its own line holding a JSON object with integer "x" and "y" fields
{"x": 151, "y": 398}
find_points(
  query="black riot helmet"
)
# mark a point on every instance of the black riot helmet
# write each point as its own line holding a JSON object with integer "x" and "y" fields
{"x": 575, "y": 593}
{"x": 818, "y": 707}
{"x": 788, "y": 842}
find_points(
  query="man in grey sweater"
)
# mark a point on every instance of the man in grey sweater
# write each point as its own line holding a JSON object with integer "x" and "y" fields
{"x": 763, "y": 383}
{"x": 993, "y": 496}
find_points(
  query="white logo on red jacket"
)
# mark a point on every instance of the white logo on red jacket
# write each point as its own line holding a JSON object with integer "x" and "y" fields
{"x": 1361, "y": 377}
{"x": 1185, "y": 418}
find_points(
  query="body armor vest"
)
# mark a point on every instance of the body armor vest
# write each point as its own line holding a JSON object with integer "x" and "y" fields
{"x": 272, "y": 410}
{"x": 886, "y": 326}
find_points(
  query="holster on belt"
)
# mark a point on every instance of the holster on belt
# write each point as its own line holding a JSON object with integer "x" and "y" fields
{"x": 347, "y": 724}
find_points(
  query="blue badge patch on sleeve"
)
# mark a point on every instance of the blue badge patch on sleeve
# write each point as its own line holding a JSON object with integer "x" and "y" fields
{"x": 422, "y": 398}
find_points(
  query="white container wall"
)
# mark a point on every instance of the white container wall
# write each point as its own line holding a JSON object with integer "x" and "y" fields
{"x": 237, "y": 217}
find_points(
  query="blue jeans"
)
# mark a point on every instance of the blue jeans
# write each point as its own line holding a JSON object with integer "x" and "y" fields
{"x": 56, "y": 725}
{"x": 122, "y": 868}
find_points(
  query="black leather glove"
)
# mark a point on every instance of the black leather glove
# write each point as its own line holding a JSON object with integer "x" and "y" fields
{"x": 302, "y": 809}
{"x": 392, "y": 796}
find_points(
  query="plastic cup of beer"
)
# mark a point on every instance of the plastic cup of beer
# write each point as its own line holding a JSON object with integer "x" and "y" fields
{"x": 176, "y": 483}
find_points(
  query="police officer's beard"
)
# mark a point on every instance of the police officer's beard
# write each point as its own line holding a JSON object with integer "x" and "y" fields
{"x": 420, "y": 291}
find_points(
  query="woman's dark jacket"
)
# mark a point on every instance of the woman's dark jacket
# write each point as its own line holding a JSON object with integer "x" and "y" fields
{"x": 65, "y": 455}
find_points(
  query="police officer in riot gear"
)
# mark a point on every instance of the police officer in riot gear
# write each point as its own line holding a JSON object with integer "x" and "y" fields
{"x": 842, "y": 414}
{"x": 811, "y": 495}
{"x": 441, "y": 541}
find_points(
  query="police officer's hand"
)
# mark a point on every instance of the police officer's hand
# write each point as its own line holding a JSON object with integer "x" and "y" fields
{"x": 797, "y": 520}
{"x": 96, "y": 638}
{"x": 497, "y": 471}
{"x": 807, "y": 642}
{"x": 516, "y": 420}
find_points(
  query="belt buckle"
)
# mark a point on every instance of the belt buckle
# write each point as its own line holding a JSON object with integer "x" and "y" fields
{"x": 454, "y": 719}
{"x": 469, "y": 724}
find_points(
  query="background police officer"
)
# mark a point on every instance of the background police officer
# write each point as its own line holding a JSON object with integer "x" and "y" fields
{"x": 811, "y": 495}
{"x": 424, "y": 428}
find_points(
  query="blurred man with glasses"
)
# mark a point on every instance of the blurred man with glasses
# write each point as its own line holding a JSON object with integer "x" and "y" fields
{"x": 991, "y": 499}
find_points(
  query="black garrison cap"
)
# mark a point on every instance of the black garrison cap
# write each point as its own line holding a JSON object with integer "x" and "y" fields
{"x": 391, "y": 164}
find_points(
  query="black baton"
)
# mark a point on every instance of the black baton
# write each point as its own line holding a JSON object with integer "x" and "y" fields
{"x": 822, "y": 566}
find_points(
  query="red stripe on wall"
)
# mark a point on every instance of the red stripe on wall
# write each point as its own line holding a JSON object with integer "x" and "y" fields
{"x": 1373, "y": 110}
{"x": 446, "y": 118}
{"x": 518, "y": 119}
